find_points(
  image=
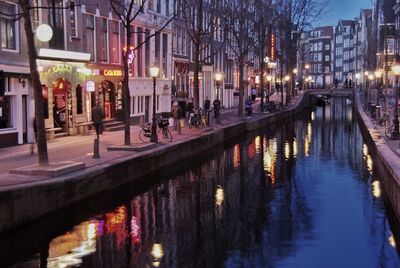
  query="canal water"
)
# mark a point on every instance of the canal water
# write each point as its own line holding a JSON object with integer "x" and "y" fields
{"x": 301, "y": 193}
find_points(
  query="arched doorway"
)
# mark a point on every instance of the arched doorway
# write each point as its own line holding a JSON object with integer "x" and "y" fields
{"x": 107, "y": 98}
{"x": 62, "y": 104}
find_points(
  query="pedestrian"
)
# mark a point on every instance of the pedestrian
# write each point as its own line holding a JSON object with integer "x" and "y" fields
{"x": 336, "y": 83}
{"x": 217, "y": 107}
{"x": 35, "y": 135}
{"x": 253, "y": 94}
{"x": 97, "y": 117}
{"x": 346, "y": 83}
{"x": 350, "y": 83}
{"x": 176, "y": 114}
{"x": 207, "y": 105}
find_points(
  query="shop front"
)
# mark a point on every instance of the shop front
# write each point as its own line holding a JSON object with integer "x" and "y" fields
{"x": 107, "y": 90}
{"x": 65, "y": 96}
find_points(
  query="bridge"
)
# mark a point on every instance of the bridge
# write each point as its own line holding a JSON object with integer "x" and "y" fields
{"x": 331, "y": 92}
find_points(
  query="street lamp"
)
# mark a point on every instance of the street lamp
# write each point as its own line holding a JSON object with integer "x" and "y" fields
{"x": 154, "y": 72}
{"x": 395, "y": 133}
{"x": 378, "y": 75}
{"x": 218, "y": 80}
{"x": 358, "y": 76}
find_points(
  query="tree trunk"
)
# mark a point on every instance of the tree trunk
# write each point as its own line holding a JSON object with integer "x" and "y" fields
{"x": 37, "y": 86}
{"x": 127, "y": 103}
{"x": 241, "y": 88}
{"x": 199, "y": 34}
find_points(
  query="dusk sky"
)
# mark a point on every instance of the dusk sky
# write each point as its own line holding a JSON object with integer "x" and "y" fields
{"x": 342, "y": 9}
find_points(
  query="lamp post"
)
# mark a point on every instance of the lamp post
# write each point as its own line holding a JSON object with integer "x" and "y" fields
{"x": 154, "y": 72}
{"x": 378, "y": 75}
{"x": 218, "y": 80}
{"x": 287, "y": 78}
{"x": 294, "y": 84}
{"x": 358, "y": 76}
{"x": 370, "y": 78}
{"x": 395, "y": 133}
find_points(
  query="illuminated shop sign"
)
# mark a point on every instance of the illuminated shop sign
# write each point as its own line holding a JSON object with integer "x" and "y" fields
{"x": 90, "y": 86}
{"x": 112, "y": 72}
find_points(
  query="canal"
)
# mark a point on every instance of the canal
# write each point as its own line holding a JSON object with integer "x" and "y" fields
{"x": 302, "y": 193}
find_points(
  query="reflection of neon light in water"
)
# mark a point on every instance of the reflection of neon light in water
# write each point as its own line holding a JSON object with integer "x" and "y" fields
{"x": 135, "y": 230}
{"x": 294, "y": 148}
{"x": 376, "y": 189}
{"x": 69, "y": 249}
{"x": 236, "y": 155}
{"x": 392, "y": 242}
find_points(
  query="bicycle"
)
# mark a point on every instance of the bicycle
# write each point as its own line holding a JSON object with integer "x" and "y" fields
{"x": 196, "y": 119}
{"x": 163, "y": 131}
{"x": 389, "y": 130}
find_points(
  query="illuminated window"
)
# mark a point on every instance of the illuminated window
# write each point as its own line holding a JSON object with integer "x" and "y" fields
{"x": 89, "y": 37}
{"x": 115, "y": 42}
{"x": 8, "y": 26}
{"x": 103, "y": 40}
{"x": 73, "y": 19}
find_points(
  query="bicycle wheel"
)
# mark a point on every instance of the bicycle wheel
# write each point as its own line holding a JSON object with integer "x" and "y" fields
{"x": 143, "y": 137}
{"x": 388, "y": 131}
{"x": 165, "y": 134}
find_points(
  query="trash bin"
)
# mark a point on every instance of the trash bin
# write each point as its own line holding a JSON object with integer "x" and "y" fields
{"x": 377, "y": 112}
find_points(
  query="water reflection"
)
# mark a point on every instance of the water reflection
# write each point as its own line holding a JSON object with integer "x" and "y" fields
{"x": 302, "y": 194}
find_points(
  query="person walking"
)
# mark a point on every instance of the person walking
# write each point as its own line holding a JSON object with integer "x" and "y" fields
{"x": 97, "y": 118}
{"x": 35, "y": 136}
{"x": 253, "y": 94}
{"x": 217, "y": 107}
{"x": 176, "y": 114}
{"x": 207, "y": 105}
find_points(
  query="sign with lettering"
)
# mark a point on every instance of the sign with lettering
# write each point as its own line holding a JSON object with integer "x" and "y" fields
{"x": 112, "y": 72}
{"x": 90, "y": 86}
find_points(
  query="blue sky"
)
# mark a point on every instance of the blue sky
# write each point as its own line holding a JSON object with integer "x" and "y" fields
{"x": 342, "y": 9}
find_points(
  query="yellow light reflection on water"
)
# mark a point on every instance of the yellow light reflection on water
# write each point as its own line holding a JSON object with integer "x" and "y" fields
{"x": 365, "y": 150}
{"x": 370, "y": 164}
{"x": 392, "y": 242}
{"x": 307, "y": 142}
{"x": 309, "y": 130}
{"x": 312, "y": 116}
{"x": 69, "y": 249}
{"x": 219, "y": 196}
{"x": 294, "y": 148}
{"x": 236, "y": 155}
{"x": 157, "y": 252}
{"x": 376, "y": 189}
{"x": 287, "y": 150}
{"x": 257, "y": 142}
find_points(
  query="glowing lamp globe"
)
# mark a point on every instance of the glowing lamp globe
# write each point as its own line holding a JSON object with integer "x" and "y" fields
{"x": 396, "y": 69}
{"x": 44, "y": 32}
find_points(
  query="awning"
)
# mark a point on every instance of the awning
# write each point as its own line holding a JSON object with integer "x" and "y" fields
{"x": 15, "y": 69}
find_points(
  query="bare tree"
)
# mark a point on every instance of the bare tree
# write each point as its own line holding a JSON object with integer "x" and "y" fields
{"x": 295, "y": 17}
{"x": 128, "y": 12}
{"x": 202, "y": 20}
{"x": 241, "y": 36}
{"x": 264, "y": 23}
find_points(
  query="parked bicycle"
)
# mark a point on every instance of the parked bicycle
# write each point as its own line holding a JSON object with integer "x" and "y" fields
{"x": 389, "y": 130}
{"x": 196, "y": 119}
{"x": 163, "y": 131}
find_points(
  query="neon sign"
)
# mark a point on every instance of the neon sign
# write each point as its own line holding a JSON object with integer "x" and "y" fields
{"x": 112, "y": 72}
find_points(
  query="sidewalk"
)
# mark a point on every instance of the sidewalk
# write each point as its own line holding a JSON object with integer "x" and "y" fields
{"x": 80, "y": 148}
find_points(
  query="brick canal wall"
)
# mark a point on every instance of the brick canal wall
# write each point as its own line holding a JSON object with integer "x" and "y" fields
{"x": 385, "y": 160}
{"x": 24, "y": 203}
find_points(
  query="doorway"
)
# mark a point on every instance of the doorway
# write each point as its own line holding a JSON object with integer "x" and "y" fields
{"x": 62, "y": 104}
{"x": 108, "y": 90}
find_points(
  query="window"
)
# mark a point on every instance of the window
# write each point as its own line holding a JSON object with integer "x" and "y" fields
{"x": 90, "y": 40}
{"x": 103, "y": 40}
{"x": 327, "y": 47}
{"x": 326, "y": 58}
{"x": 115, "y": 42}
{"x": 8, "y": 26}
{"x": 157, "y": 47}
{"x": 159, "y": 6}
{"x": 326, "y": 69}
{"x": 147, "y": 52}
{"x": 73, "y": 19}
{"x": 56, "y": 19}
{"x": 167, "y": 7}
{"x": 165, "y": 53}
{"x": 133, "y": 99}
{"x": 5, "y": 112}
{"x": 139, "y": 52}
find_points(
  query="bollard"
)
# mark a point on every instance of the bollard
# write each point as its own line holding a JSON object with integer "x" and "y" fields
{"x": 96, "y": 151}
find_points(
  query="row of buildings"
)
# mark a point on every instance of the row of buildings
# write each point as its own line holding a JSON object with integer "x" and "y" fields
{"x": 341, "y": 55}
{"x": 81, "y": 65}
